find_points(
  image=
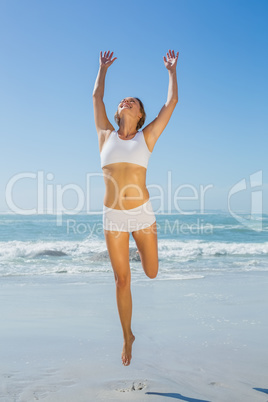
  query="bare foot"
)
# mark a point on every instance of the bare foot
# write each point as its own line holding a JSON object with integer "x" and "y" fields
{"x": 127, "y": 349}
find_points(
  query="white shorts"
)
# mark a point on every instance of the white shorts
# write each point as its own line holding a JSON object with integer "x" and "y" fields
{"x": 128, "y": 220}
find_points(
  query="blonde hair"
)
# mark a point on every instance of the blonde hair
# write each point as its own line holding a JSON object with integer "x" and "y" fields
{"x": 142, "y": 119}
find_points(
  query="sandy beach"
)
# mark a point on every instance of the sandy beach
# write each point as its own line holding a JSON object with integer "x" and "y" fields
{"x": 113, "y": 106}
{"x": 196, "y": 340}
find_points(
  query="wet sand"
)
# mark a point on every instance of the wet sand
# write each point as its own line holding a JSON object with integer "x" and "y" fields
{"x": 196, "y": 340}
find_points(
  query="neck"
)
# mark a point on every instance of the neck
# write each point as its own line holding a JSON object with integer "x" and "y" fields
{"x": 127, "y": 128}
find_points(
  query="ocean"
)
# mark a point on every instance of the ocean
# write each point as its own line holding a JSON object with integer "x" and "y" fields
{"x": 191, "y": 246}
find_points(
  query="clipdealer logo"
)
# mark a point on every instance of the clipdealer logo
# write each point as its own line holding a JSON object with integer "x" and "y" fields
{"x": 50, "y": 197}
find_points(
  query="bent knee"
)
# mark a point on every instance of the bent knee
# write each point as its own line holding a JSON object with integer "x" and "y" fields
{"x": 152, "y": 272}
{"x": 152, "y": 275}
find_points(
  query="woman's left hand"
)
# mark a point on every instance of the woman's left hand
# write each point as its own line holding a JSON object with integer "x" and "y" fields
{"x": 171, "y": 60}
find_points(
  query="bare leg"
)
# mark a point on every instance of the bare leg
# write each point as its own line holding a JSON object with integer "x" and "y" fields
{"x": 118, "y": 248}
{"x": 146, "y": 241}
{"x": 124, "y": 304}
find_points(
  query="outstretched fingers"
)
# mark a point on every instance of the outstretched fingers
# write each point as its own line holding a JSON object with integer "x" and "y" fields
{"x": 107, "y": 54}
{"x": 171, "y": 54}
{"x": 110, "y": 57}
{"x": 170, "y": 60}
{"x": 106, "y": 58}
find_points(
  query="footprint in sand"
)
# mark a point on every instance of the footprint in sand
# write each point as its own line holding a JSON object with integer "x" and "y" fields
{"x": 134, "y": 386}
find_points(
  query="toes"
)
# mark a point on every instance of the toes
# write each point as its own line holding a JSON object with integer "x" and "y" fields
{"x": 125, "y": 361}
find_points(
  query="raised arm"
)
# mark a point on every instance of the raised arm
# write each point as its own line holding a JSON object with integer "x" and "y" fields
{"x": 156, "y": 127}
{"x": 101, "y": 120}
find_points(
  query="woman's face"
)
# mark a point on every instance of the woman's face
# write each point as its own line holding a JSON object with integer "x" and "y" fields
{"x": 130, "y": 105}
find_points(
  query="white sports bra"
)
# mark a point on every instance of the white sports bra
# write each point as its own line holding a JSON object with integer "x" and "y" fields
{"x": 116, "y": 150}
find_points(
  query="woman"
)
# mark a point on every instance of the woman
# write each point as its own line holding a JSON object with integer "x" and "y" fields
{"x": 127, "y": 208}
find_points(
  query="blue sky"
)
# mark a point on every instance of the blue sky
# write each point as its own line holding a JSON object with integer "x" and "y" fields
{"x": 217, "y": 135}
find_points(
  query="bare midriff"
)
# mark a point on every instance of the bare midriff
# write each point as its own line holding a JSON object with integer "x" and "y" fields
{"x": 125, "y": 185}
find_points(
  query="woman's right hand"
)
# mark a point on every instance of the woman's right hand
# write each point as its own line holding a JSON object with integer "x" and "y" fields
{"x": 106, "y": 59}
